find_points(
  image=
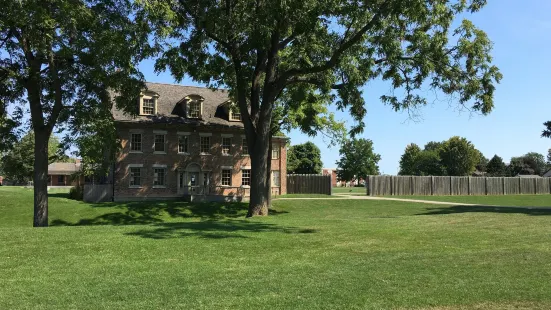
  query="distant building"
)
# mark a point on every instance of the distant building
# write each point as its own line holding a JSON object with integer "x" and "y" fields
{"x": 64, "y": 174}
{"x": 333, "y": 173}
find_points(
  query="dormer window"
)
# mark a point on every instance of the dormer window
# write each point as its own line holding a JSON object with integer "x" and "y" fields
{"x": 194, "y": 106}
{"x": 148, "y": 104}
{"x": 233, "y": 112}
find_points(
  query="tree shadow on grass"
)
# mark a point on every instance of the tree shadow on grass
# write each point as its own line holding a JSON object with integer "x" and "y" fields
{"x": 143, "y": 213}
{"x": 213, "y": 230}
{"x": 487, "y": 209}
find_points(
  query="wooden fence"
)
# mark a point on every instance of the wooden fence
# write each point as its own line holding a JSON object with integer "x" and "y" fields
{"x": 431, "y": 185}
{"x": 98, "y": 192}
{"x": 309, "y": 184}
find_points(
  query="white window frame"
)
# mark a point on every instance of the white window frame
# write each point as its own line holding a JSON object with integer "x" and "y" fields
{"x": 228, "y": 146}
{"x": 159, "y": 167}
{"x": 148, "y": 97}
{"x": 194, "y": 100}
{"x": 201, "y": 136}
{"x": 183, "y": 135}
{"x": 243, "y": 170}
{"x": 276, "y": 151}
{"x": 135, "y": 166}
{"x": 226, "y": 169}
{"x": 132, "y": 133}
{"x": 244, "y": 146}
{"x": 274, "y": 172}
{"x": 165, "y": 142}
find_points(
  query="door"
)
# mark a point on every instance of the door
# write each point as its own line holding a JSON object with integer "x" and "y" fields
{"x": 181, "y": 182}
{"x": 193, "y": 180}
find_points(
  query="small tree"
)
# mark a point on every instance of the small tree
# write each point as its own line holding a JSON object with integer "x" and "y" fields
{"x": 304, "y": 159}
{"x": 459, "y": 156}
{"x": 408, "y": 161}
{"x": 358, "y": 160}
{"x": 496, "y": 167}
{"x": 428, "y": 163}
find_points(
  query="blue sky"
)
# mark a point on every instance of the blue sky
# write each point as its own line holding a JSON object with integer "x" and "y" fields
{"x": 521, "y": 32}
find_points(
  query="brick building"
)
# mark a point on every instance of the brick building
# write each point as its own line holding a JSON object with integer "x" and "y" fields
{"x": 333, "y": 173}
{"x": 187, "y": 142}
{"x": 64, "y": 174}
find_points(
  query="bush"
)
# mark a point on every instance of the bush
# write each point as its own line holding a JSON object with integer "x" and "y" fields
{"x": 76, "y": 192}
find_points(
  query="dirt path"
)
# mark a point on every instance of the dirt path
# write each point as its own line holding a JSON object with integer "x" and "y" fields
{"x": 346, "y": 196}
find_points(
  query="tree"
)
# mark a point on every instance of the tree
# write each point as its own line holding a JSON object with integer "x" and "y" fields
{"x": 60, "y": 58}
{"x": 408, "y": 161}
{"x": 531, "y": 163}
{"x": 517, "y": 166}
{"x": 482, "y": 163}
{"x": 433, "y": 146}
{"x": 304, "y": 159}
{"x": 429, "y": 163}
{"x": 459, "y": 156}
{"x": 18, "y": 163}
{"x": 536, "y": 161}
{"x": 496, "y": 167}
{"x": 357, "y": 159}
{"x": 549, "y": 158}
{"x": 321, "y": 52}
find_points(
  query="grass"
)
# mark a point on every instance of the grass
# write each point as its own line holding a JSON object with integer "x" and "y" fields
{"x": 306, "y": 196}
{"x": 508, "y": 200}
{"x": 309, "y": 254}
{"x": 350, "y": 190}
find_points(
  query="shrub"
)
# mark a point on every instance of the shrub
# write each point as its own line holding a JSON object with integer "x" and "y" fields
{"x": 76, "y": 192}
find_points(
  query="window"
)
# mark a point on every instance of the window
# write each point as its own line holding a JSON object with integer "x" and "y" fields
{"x": 275, "y": 178}
{"x": 244, "y": 147}
{"x": 235, "y": 115}
{"x": 226, "y": 177}
{"x": 136, "y": 142}
{"x": 135, "y": 176}
{"x": 194, "y": 108}
{"x": 226, "y": 146}
{"x": 159, "y": 145}
{"x": 275, "y": 152}
{"x": 148, "y": 106}
{"x": 246, "y": 177}
{"x": 61, "y": 179}
{"x": 159, "y": 176}
{"x": 205, "y": 145}
{"x": 182, "y": 144}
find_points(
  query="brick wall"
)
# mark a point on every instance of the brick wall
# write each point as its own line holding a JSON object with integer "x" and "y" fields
{"x": 175, "y": 163}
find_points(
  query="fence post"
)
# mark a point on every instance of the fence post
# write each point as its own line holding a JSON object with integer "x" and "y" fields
{"x": 432, "y": 185}
{"x": 486, "y": 185}
{"x": 503, "y": 185}
{"x": 535, "y": 186}
{"x": 370, "y": 186}
{"x": 391, "y": 185}
{"x": 519, "y": 186}
{"x": 469, "y": 186}
{"x": 412, "y": 185}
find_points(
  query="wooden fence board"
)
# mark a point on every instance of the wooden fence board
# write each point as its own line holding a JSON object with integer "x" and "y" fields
{"x": 494, "y": 186}
{"x": 308, "y": 184}
{"x": 442, "y": 186}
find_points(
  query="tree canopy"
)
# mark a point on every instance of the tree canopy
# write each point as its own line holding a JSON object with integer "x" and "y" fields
{"x": 496, "y": 167}
{"x": 296, "y": 57}
{"x": 18, "y": 163}
{"x": 304, "y": 159}
{"x": 358, "y": 159}
{"x": 455, "y": 156}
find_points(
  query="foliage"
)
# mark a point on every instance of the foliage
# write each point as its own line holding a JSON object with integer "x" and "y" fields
{"x": 299, "y": 56}
{"x": 18, "y": 163}
{"x": 459, "y": 156}
{"x": 358, "y": 160}
{"x": 482, "y": 164}
{"x": 528, "y": 164}
{"x": 549, "y": 158}
{"x": 408, "y": 161}
{"x": 61, "y": 58}
{"x": 496, "y": 167}
{"x": 76, "y": 192}
{"x": 304, "y": 159}
{"x": 456, "y": 156}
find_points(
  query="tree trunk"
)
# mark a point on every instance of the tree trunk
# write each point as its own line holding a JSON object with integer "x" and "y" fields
{"x": 259, "y": 197}
{"x": 40, "y": 179}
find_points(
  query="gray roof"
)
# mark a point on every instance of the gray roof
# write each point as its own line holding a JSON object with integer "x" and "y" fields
{"x": 169, "y": 109}
{"x": 63, "y": 168}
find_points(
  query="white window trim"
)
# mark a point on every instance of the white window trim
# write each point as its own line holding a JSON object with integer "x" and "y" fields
{"x": 182, "y": 133}
{"x": 158, "y": 166}
{"x": 134, "y": 132}
{"x": 222, "y": 145}
{"x": 166, "y": 173}
{"x": 154, "y": 97}
{"x": 227, "y": 135}
{"x": 230, "y": 168}
{"x": 226, "y": 168}
{"x": 205, "y": 134}
{"x": 160, "y": 133}
{"x": 272, "y": 179}
{"x": 250, "y": 176}
{"x": 243, "y": 137}
{"x": 246, "y": 167}
{"x": 233, "y": 119}
{"x": 188, "y": 101}
{"x": 135, "y": 166}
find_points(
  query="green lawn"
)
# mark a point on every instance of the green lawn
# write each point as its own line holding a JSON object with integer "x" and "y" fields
{"x": 350, "y": 190}
{"x": 508, "y": 200}
{"x": 309, "y": 254}
{"x": 306, "y": 196}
